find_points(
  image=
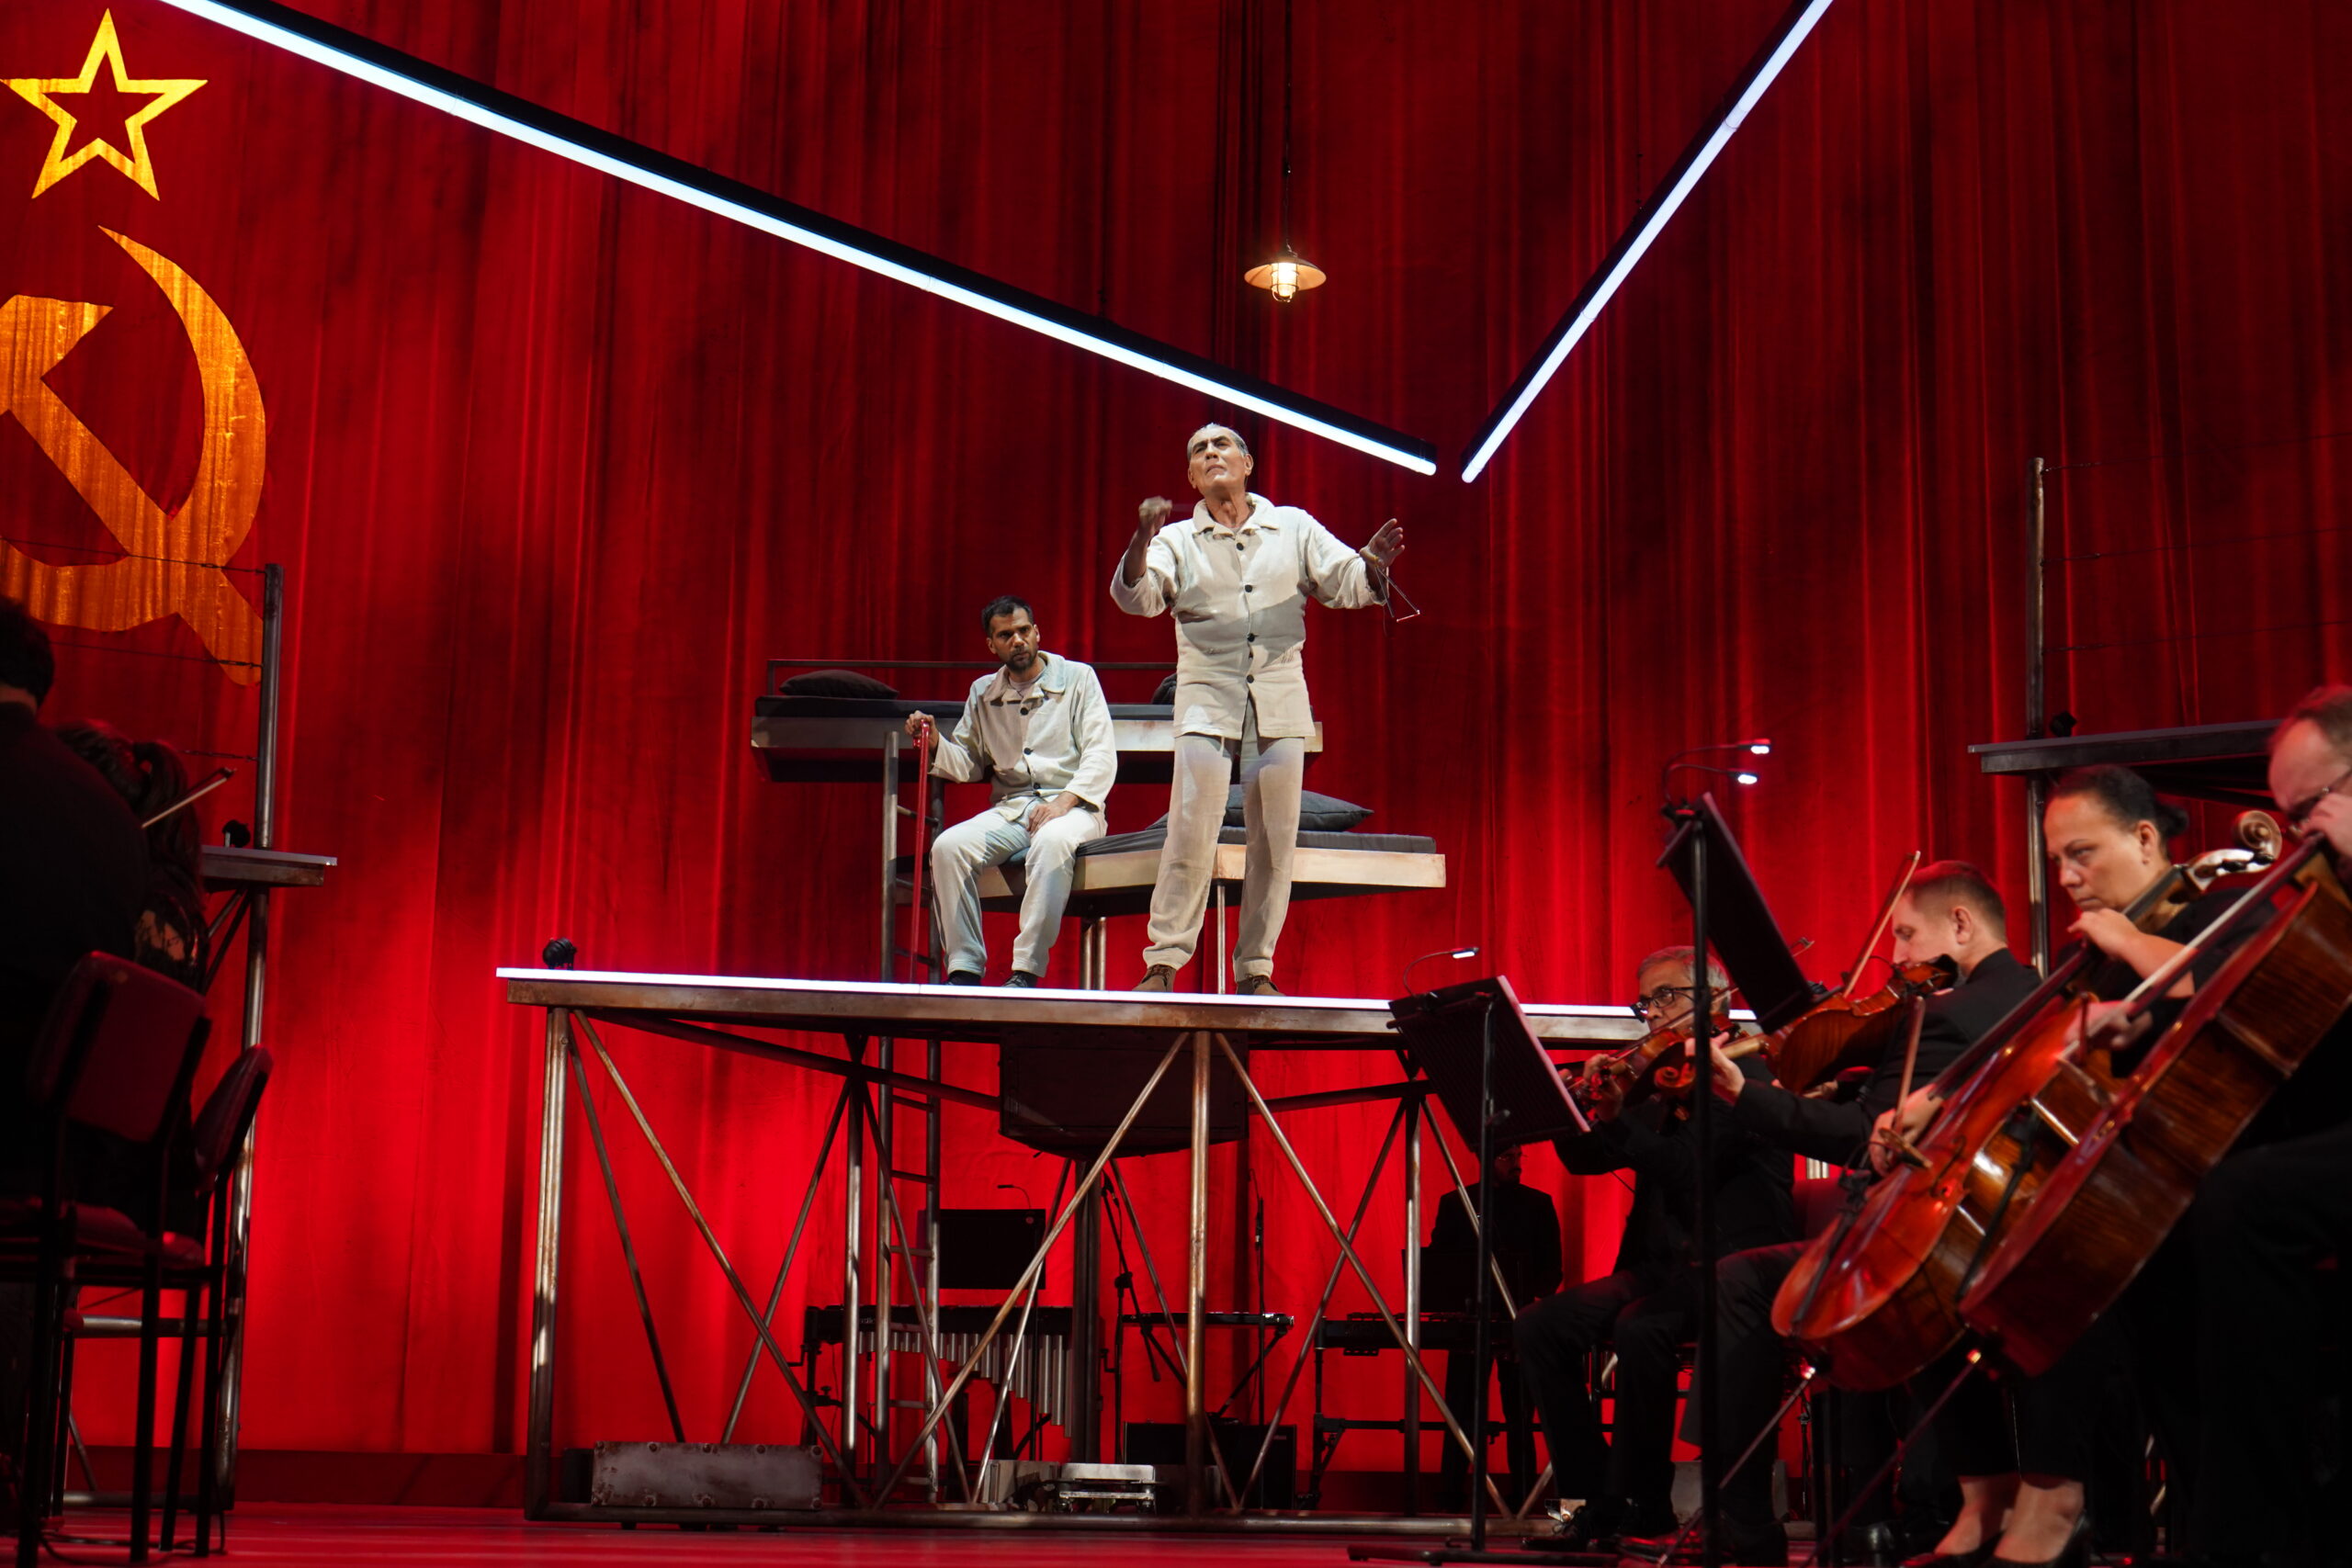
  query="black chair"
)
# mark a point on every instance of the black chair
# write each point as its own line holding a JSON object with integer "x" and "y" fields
{"x": 198, "y": 1267}
{"x": 112, "y": 1061}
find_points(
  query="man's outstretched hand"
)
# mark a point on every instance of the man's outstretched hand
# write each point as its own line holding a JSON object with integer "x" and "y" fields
{"x": 1385, "y": 546}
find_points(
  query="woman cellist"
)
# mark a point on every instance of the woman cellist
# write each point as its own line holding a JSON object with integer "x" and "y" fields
{"x": 2022, "y": 1493}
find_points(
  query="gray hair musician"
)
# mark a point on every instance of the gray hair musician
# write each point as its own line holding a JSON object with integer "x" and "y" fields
{"x": 1237, "y": 575}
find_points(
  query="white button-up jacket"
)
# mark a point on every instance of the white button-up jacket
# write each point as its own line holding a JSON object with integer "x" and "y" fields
{"x": 1059, "y": 740}
{"x": 1238, "y": 597}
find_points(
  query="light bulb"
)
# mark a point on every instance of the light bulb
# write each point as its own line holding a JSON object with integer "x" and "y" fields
{"x": 1285, "y": 280}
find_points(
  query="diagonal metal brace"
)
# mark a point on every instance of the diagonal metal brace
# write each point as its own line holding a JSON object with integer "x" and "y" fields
{"x": 628, "y": 1245}
{"x": 718, "y": 1255}
{"x": 1062, "y": 1221}
{"x": 1348, "y": 1251}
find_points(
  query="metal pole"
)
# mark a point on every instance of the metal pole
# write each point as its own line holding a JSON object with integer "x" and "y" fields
{"x": 1412, "y": 1109}
{"x": 1085, "y": 1428}
{"x": 1216, "y": 901}
{"x": 1196, "y": 1283}
{"x": 1702, "y": 1108}
{"x": 273, "y": 617}
{"x": 935, "y": 1068}
{"x": 886, "y": 1192}
{"x": 1481, "y": 1303}
{"x": 538, "y": 1452}
{"x": 853, "y": 1203}
{"x": 228, "y": 1398}
{"x": 887, "y": 961}
{"x": 2037, "y": 712}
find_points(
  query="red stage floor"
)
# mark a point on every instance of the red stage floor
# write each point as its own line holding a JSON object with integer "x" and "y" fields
{"x": 300, "y": 1536}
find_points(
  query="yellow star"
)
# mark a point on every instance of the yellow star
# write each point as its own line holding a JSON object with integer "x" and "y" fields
{"x": 43, "y": 92}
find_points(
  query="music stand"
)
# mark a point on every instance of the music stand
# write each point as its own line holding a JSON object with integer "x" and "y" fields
{"x": 1445, "y": 1033}
{"x": 1705, "y": 862}
{"x": 1499, "y": 1088}
{"x": 1728, "y": 914}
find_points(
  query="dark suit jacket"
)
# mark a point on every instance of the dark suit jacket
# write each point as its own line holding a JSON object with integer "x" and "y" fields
{"x": 1526, "y": 1235}
{"x": 72, "y": 881}
{"x": 1753, "y": 1206}
{"x": 1835, "y": 1130}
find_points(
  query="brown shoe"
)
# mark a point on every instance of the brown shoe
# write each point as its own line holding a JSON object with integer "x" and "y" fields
{"x": 1260, "y": 986}
{"x": 1158, "y": 977}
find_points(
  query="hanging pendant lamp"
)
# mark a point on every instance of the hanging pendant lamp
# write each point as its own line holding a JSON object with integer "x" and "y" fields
{"x": 1288, "y": 272}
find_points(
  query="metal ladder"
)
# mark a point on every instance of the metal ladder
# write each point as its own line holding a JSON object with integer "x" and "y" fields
{"x": 905, "y": 1247}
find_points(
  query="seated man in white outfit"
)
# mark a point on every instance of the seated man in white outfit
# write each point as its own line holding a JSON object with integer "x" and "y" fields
{"x": 1236, "y": 576}
{"x": 1039, "y": 732}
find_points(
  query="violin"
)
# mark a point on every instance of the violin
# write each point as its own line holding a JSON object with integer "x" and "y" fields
{"x": 2126, "y": 1175}
{"x": 1634, "y": 1071}
{"x": 1628, "y": 1070}
{"x": 1839, "y": 1032}
{"x": 1874, "y": 1299}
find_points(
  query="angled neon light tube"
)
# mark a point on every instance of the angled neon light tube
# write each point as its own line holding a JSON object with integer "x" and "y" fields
{"x": 422, "y": 82}
{"x": 1643, "y": 232}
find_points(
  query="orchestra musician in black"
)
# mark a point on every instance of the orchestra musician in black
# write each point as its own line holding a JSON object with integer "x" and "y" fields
{"x": 2239, "y": 1287}
{"x": 1526, "y": 1244}
{"x": 2025, "y": 1447}
{"x": 1647, "y": 1306}
{"x": 1949, "y": 911}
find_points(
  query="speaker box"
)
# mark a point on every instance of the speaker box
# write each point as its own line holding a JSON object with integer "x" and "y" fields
{"x": 986, "y": 1250}
{"x": 1162, "y": 1443}
{"x": 1067, "y": 1099}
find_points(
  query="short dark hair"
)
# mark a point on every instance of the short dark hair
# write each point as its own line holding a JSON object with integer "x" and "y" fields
{"x": 2330, "y": 708}
{"x": 2126, "y": 798}
{"x": 26, "y": 661}
{"x": 1941, "y": 884}
{"x": 1003, "y": 604}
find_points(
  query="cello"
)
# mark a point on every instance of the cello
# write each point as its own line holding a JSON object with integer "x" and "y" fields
{"x": 2127, "y": 1175}
{"x": 1874, "y": 1299}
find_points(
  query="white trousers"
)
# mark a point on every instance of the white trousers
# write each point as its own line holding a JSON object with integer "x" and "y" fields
{"x": 1270, "y": 791}
{"x": 1050, "y": 866}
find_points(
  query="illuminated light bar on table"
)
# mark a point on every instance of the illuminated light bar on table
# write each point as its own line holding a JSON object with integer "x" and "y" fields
{"x": 993, "y": 1013}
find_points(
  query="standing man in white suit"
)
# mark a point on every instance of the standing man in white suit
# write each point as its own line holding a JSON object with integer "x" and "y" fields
{"x": 1236, "y": 576}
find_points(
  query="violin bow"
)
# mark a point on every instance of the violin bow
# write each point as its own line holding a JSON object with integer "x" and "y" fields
{"x": 1885, "y": 917}
{"x": 218, "y": 777}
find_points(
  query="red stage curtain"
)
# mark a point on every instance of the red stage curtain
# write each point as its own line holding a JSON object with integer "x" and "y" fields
{"x": 554, "y": 465}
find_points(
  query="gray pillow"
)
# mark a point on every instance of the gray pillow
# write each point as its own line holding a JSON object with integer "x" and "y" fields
{"x": 1165, "y": 692}
{"x": 834, "y": 684}
{"x": 1316, "y": 813}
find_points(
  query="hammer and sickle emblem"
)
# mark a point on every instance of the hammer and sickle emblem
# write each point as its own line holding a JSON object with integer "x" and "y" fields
{"x": 174, "y": 557}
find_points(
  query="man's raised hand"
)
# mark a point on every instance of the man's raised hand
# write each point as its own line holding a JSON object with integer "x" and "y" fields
{"x": 1151, "y": 516}
{"x": 1386, "y": 545}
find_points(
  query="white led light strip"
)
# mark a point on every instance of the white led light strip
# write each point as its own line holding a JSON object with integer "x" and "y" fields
{"x": 1653, "y": 223}
{"x": 506, "y": 125}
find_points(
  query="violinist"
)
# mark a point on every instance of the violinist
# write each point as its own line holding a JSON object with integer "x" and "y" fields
{"x": 1949, "y": 911}
{"x": 1646, "y": 1306}
{"x": 2260, "y": 1225}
